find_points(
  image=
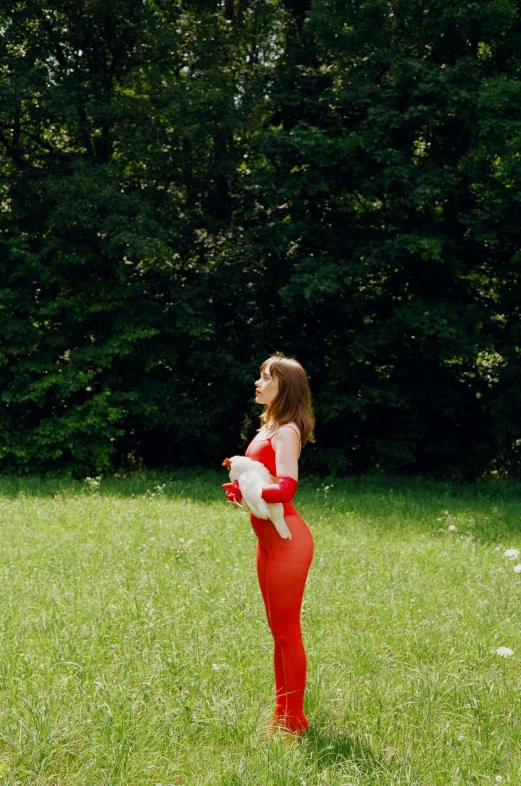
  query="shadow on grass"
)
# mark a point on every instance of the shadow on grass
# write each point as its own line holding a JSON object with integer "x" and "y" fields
{"x": 331, "y": 749}
{"x": 198, "y": 484}
{"x": 488, "y": 510}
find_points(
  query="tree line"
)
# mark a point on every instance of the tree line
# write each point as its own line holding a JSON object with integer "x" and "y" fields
{"x": 188, "y": 186}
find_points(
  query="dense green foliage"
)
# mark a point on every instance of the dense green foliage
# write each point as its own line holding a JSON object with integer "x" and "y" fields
{"x": 186, "y": 187}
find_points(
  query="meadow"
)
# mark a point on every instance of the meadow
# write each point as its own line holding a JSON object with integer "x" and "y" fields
{"x": 134, "y": 649}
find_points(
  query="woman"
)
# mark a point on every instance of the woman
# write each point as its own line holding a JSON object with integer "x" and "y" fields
{"x": 282, "y": 565}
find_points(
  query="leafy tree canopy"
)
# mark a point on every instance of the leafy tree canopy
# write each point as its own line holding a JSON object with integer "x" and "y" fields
{"x": 187, "y": 187}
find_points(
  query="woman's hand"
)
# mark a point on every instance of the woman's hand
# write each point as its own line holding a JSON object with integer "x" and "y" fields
{"x": 233, "y": 492}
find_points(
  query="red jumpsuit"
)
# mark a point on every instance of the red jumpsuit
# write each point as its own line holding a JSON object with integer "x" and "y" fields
{"x": 282, "y": 568}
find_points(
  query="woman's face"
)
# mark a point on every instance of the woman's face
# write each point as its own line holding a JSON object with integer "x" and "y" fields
{"x": 266, "y": 387}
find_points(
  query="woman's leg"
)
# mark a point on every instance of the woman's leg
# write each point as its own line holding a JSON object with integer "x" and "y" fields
{"x": 284, "y": 582}
{"x": 280, "y": 688}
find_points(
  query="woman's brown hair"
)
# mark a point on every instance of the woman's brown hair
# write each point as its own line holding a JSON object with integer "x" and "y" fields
{"x": 293, "y": 402}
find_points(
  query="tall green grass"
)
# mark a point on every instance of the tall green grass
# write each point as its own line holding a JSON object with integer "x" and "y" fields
{"x": 134, "y": 649}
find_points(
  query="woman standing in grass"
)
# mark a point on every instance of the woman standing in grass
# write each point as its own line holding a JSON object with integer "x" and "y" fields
{"x": 282, "y": 565}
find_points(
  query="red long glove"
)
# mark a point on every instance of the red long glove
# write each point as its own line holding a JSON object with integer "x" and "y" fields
{"x": 233, "y": 491}
{"x": 281, "y": 491}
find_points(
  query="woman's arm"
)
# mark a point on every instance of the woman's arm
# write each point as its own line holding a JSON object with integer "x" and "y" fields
{"x": 287, "y": 448}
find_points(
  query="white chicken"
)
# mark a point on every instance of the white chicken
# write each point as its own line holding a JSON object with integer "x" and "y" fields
{"x": 252, "y": 476}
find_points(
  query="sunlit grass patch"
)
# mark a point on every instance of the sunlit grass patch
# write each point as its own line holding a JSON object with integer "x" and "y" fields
{"x": 134, "y": 648}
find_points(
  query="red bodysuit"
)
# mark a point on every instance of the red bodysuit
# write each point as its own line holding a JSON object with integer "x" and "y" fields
{"x": 282, "y": 568}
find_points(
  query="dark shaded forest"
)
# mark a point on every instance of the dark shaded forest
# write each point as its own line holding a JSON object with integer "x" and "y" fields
{"x": 187, "y": 187}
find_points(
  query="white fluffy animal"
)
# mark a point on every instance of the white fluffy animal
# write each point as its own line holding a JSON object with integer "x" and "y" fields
{"x": 252, "y": 477}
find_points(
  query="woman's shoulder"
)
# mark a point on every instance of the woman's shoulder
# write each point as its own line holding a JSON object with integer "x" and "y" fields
{"x": 291, "y": 427}
{"x": 288, "y": 432}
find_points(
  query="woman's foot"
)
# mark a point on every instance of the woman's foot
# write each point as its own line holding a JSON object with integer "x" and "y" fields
{"x": 296, "y": 726}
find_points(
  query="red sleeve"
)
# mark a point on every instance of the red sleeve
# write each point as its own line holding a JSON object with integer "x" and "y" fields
{"x": 281, "y": 491}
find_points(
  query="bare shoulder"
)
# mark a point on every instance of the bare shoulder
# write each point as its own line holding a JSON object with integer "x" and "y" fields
{"x": 288, "y": 435}
{"x": 286, "y": 444}
{"x": 288, "y": 429}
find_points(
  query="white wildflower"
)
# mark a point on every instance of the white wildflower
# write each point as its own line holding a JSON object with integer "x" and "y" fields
{"x": 517, "y": 568}
{"x": 511, "y": 553}
{"x": 499, "y": 779}
{"x": 505, "y": 652}
{"x": 452, "y": 528}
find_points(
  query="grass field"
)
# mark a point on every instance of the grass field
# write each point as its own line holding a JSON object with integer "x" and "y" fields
{"x": 134, "y": 650}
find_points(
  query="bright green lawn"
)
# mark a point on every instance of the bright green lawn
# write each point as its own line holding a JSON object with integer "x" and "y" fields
{"x": 134, "y": 650}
